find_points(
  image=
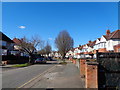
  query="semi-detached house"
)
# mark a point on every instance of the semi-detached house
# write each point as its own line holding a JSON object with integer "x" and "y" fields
{"x": 110, "y": 42}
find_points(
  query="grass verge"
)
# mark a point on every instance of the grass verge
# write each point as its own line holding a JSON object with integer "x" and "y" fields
{"x": 21, "y": 65}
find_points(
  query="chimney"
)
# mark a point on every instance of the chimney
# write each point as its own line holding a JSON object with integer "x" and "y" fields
{"x": 107, "y": 32}
{"x": 89, "y": 41}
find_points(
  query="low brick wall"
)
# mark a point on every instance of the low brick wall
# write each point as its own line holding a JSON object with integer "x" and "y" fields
{"x": 82, "y": 67}
{"x": 91, "y": 75}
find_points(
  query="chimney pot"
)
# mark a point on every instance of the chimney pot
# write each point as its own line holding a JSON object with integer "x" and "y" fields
{"x": 107, "y": 32}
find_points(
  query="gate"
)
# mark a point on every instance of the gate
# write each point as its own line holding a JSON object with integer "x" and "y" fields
{"x": 108, "y": 70}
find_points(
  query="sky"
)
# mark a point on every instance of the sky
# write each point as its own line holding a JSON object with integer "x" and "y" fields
{"x": 60, "y": 0}
{"x": 83, "y": 20}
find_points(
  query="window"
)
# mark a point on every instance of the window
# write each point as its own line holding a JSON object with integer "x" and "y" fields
{"x": 3, "y": 43}
{"x": 101, "y": 45}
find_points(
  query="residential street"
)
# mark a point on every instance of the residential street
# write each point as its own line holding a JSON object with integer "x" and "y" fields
{"x": 14, "y": 78}
{"x": 57, "y": 76}
{"x": 62, "y": 76}
{"x": 60, "y": 45}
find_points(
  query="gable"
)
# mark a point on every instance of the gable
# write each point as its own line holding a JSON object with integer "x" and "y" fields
{"x": 103, "y": 39}
{"x": 97, "y": 41}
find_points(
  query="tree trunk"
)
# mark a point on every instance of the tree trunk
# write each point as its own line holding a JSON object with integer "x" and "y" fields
{"x": 63, "y": 57}
{"x": 29, "y": 59}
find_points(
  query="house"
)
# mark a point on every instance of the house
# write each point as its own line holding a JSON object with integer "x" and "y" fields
{"x": 57, "y": 54}
{"x": 97, "y": 44}
{"x": 107, "y": 42}
{"x": 91, "y": 46}
{"x": 6, "y": 44}
{"x": 100, "y": 44}
{"x": 17, "y": 49}
{"x": 88, "y": 49}
{"x": 70, "y": 53}
{"x": 76, "y": 52}
{"x": 114, "y": 39}
{"x": 110, "y": 42}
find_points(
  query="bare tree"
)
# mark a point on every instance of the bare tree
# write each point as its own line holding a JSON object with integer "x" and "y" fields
{"x": 41, "y": 52}
{"x": 48, "y": 48}
{"x": 64, "y": 42}
{"x": 29, "y": 46}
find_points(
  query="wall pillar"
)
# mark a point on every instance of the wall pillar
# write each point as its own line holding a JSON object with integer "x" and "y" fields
{"x": 82, "y": 67}
{"x": 91, "y": 75}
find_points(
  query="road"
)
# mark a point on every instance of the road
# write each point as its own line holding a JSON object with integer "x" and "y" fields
{"x": 16, "y": 77}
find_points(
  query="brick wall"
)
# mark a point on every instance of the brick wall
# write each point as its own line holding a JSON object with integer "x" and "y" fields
{"x": 91, "y": 75}
{"x": 74, "y": 61}
{"x": 102, "y": 50}
{"x": 82, "y": 67}
{"x": 117, "y": 48}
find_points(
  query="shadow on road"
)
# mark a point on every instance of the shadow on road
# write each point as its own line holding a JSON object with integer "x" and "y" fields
{"x": 49, "y": 62}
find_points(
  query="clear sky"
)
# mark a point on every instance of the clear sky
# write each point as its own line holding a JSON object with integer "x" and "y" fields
{"x": 83, "y": 20}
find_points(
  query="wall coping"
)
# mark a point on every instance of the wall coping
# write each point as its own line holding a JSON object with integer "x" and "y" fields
{"x": 92, "y": 63}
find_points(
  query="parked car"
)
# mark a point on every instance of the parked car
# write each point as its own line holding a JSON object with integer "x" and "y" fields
{"x": 49, "y": 59}
{"x": 40, "y": 60}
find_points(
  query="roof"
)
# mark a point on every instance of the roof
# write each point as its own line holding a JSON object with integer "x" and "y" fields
{"x": 16, "y": 40}
{"x": 5, "y": 38}
{"x": 98, "y": 39}
{"x": 118, "y": 45}
{"x": 80, "y": 47}
{"x": 115, "y": 35}
{"x": 92, "y": 43}
{"x": 106, "y": 36}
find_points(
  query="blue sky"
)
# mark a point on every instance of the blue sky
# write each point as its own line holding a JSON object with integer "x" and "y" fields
{"x": 83, "y": 20}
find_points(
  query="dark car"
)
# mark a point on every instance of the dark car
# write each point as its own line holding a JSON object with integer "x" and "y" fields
{"x": 40, "y": 60}
{"x": 49, "y": 59}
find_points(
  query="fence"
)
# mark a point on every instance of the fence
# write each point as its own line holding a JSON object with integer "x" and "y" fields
{"x": 11, "y": 59}
{"x": 109, "y": 70}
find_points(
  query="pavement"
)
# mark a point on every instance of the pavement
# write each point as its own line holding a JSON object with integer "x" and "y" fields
{"x": 62, "y": 76}
{"x": 7, "y": 67}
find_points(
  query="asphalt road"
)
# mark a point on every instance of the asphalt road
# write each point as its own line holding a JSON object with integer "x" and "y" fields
{"x": 16, "y": 77}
